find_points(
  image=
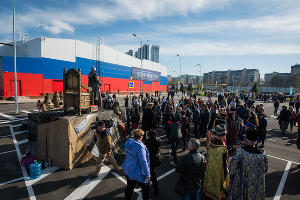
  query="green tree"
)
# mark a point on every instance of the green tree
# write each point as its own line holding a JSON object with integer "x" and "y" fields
{"x": 224, "y": 79}
{"x": 255, "y": 88}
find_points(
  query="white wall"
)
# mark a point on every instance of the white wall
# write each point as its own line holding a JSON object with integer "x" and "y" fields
{"x": 60, "y": 49}
{"x": 108, "y": 54}
{"x": 124, "y": 59}
{"x": 32, "y": 48}
{"x": 6, "y": 50}
{"x": 85, "y": 50}
{"x": 68, "y": 49}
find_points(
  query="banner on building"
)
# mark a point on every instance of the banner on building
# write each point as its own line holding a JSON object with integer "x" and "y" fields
{"x": 145, "y": 75}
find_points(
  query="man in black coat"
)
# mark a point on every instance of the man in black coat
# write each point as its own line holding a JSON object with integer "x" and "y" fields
{"x": 153, "y": 145}
{"x": 284, "y": 118}
{"x": 148, "y": 118}
{"x": 191, "y": 170}
{"x": 204, "y": 120}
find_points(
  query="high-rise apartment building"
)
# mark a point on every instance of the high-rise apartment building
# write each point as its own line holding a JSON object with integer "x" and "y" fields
{"x": 244, "y": 77}
{"x": 148, "y": 52}
{"x": 155, "y": 53}
{"x": 295, "y": 70}
{"x": 130, "y": 52}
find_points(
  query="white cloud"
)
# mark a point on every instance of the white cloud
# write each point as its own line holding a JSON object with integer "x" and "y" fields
{"x": 58, "y": 27}
{"x": 207, "y": 48}
{"x": 265, "y": 24}
{"x": 97, "y": 12}
{"x": 181, "y": 37}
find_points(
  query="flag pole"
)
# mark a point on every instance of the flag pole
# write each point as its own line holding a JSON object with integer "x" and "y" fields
{"x": 15, "y": 60}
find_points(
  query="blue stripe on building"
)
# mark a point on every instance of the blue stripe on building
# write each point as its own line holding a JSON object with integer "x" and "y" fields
{"x": 147, "y": 82}
{"x": 53, "y": 69}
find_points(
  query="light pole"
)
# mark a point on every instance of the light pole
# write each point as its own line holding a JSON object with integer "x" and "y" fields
{"x": 15, "y": 60}
{"x": 141, "y": 61}
{"x": 180, "y": 57}
{"x": 200, "y": 67}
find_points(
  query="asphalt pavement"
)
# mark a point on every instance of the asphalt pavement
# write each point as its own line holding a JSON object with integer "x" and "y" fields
{"x": 282, "y": 179}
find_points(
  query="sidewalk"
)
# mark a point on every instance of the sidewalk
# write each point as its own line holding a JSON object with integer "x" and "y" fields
{"x": 20, "y": 101}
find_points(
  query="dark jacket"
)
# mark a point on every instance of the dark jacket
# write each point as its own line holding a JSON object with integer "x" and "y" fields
{"x": 135, "y": 116}
{"x": 191, "y": 170}
{"x": 284, "y": 115}
{"x": 185, "y": 125}
{"x": 148, "y": 119}
{"x": 212, "y": 118}
{"x": 204, "y": 119}
{"x": 153, "y": 146}
{"x": 174, "y": 130}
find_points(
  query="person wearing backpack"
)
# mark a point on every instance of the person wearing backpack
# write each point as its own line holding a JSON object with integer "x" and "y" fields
{"x": 153, "y": 145}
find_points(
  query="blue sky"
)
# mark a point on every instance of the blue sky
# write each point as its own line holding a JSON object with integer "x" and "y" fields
{"x": 217, "y": 34}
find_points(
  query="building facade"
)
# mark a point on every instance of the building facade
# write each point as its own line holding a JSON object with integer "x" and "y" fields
{"x": 295, "y": 69}
{"x": 155, "y": 53}
{"x": 41, "y": 61}
{"x": 242, "y": 77}
{"x": 276, "y": 79}
{"x": 148, "y": 52}
{"x": 130, "y": 52}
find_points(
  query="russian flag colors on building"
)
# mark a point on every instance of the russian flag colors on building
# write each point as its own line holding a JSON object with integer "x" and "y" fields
{"x": 40, "y": 64}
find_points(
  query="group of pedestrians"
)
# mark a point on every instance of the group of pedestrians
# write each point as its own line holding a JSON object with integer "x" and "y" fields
{"x": 232, "y": 127}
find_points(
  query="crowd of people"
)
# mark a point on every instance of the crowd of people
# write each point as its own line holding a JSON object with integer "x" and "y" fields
{"x": 232, "y": 126}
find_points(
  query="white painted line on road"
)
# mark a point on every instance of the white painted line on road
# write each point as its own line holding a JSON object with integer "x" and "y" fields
{"x": 87, "y": 186}
{"x": 17, "y": 125}
{"x": 282, "y": 181}
{"x": 166, "y": 174}
{"x": 7, "y": 152}
{"x": 11, "y": 181}
{"x": 24, "y": 172}
{"x": 137, "y": 190}
{"x": 284, "y": 159}
{"x": 4, "y": 136}
{"x": 273, "y": 140}
{"x": 162, "y": 136}
{"x": 45, "y": 172}
{"x": 22, "y": 142}
{"x": 25, "y": 111}
{"x": 7, "y": 116}
{"x": 13, "y": 121}
{"x": 20, "y": 132}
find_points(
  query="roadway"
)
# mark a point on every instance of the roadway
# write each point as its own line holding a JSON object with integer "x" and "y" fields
{"x": 282, "y": 179}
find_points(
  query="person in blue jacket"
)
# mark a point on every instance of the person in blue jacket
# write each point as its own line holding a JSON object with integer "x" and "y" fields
{"x": 137, "y": 165}
{"x": 196, "y": 121}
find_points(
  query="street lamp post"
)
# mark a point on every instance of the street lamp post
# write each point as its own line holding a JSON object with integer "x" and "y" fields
{"x": 141, "y": 61}
{"x": 15, "y": 59}
{"x": 180, "y": 57}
